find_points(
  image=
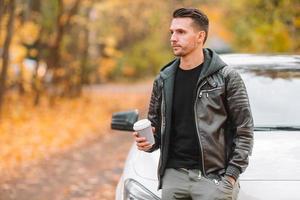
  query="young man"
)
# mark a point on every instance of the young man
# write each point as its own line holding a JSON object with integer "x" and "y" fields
{"x": 201, "y": 117}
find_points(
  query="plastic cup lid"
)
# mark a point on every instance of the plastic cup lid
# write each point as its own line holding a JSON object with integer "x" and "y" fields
{"x": 141, "y": 124}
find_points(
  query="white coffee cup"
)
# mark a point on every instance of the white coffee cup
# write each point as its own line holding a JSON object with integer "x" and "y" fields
{"x": 143, "y": 127}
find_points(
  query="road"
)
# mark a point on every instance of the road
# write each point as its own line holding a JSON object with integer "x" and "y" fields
{"x": 88, "y": 172}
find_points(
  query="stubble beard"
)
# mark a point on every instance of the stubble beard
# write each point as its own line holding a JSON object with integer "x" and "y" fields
{"x": 179, "y": 53}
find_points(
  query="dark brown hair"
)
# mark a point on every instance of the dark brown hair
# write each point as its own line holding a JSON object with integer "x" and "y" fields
{"x": 199, "y": 18}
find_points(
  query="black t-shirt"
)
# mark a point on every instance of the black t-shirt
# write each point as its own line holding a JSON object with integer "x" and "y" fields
{"x": 184, "y": 142}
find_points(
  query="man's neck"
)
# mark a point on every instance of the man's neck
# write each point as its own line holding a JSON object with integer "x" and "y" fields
{"x": 192, "y": 60}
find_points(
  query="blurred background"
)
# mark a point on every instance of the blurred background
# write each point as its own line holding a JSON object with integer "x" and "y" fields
{"x": 67, "y": 65}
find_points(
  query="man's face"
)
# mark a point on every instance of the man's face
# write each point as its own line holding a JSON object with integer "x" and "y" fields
{"x": 185, "y": 37}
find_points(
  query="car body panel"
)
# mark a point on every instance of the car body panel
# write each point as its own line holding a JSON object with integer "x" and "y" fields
{"x": 262, "y": 60}
{"x": 275, "y": 157}
{"x": 140, "y": 165}
{"x": 269, "y": 190}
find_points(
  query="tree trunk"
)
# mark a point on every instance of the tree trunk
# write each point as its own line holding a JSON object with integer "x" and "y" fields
{"x": 5, "y": 54}
{"x": 20, "y": 80}
{"x": 54, "y": 59}
{"x": 84, "y": 59}
{"x": 2, "y": 8}
{"x": 85, "y": 54}
{"x": 36, "y": 82}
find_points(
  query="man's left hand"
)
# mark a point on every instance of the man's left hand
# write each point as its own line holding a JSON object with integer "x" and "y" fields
{"x": 230, "y": 179}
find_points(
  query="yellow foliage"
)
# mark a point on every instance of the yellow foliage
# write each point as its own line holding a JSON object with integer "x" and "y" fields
{"x": 29, "y": 32}
{"x": 110, "y": 46}
{"x": 60, "y": 72}
{"x": 17, "y": 53}
{"x": 106, "y": 68}
{"x": 109, "y": 51}
{"x": 110, "y": 41}
{"x": 297, "y": 22}
{"x": 128, "y": 71}
{"x": 33, "y": 52}
{"x": 30, "y": 133}
{"x": 216, "y": 16}
{"x": 68, "y": 2}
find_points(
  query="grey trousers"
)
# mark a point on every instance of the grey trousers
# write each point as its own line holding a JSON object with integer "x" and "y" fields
{"x": 190, "y": 185}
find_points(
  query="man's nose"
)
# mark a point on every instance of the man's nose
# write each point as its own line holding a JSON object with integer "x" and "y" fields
{"x": 173, "y": 37}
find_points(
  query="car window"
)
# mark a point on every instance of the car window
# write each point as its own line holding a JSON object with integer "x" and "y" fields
{"x": 274, "y": 96}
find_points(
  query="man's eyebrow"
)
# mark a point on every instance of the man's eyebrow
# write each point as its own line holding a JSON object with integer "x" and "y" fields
{"x": 177, "y": 29}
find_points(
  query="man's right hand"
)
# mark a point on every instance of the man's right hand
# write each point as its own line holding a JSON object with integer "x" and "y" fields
{"x": 141, "y": 142}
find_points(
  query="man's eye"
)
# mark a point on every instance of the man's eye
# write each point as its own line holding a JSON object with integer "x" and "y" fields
{"x": 180, "y": 31}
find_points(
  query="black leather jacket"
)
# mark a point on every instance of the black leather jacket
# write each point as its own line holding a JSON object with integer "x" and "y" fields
{"x": 222, "y": 115}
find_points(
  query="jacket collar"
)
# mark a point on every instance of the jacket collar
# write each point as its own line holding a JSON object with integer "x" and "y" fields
{"x": 212, "y": 63}
{"x": 170, "y": 69}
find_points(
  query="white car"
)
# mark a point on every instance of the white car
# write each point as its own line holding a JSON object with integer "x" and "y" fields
{"x": 273, "y": 85}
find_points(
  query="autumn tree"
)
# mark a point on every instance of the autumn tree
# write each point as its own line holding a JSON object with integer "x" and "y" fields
{"x": 77, "y": 42}
{"x": 9, "y": 7}
{"x": 264, "y": 26}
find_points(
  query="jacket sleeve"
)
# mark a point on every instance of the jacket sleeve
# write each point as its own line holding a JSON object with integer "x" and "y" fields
{"x": 241, "y": 119}
{"x": 154, "y": 113}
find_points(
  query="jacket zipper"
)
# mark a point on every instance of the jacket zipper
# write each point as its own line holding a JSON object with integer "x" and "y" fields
{"x": 162, "y": 109}
{"x": 162, "y": 127}
{"x": 197, "y": 129}
{"x": 210, "y": 90}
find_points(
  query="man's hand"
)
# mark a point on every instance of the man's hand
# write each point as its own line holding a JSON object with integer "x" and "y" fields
{"x": 141, "y": 142}
{"x": 230, "y": 179}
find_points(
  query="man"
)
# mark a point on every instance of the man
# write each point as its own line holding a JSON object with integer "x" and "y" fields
{"x": 201, "y": 117}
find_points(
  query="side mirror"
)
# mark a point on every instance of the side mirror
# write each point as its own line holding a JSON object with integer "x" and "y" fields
{"x": 124, "y": 121}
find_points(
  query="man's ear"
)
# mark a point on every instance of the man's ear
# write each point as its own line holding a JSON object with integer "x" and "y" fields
{"x": 201, "y": 36}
